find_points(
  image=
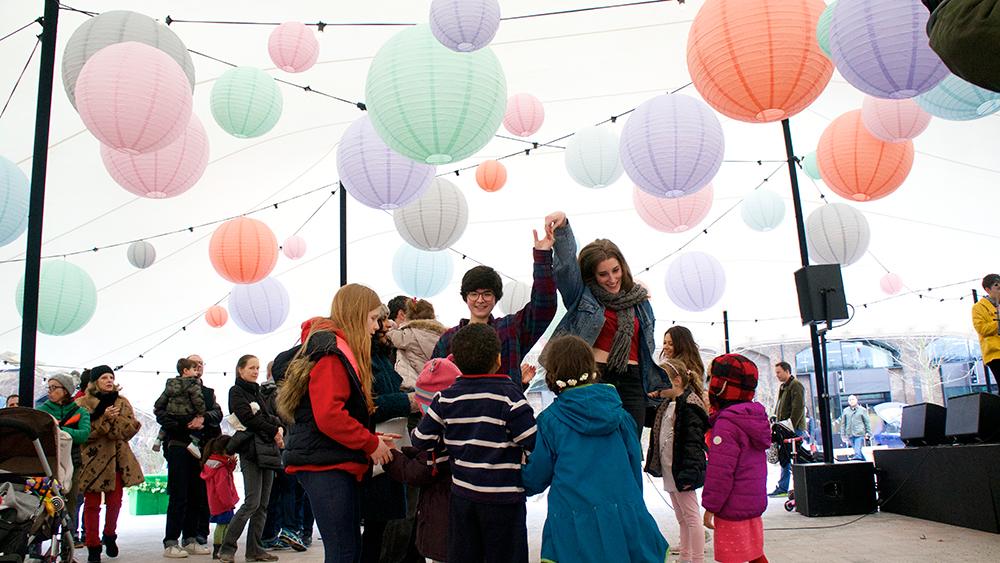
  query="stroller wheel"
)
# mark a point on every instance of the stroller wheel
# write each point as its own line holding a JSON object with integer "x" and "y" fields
{"x": 789, "y": 505}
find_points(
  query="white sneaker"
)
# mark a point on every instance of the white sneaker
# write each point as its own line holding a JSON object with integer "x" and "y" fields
{"x": 195, "y": 548}
{"x": 175, "y": 552}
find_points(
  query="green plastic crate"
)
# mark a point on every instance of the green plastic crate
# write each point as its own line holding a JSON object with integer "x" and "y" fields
{"x": 143, "y": 503}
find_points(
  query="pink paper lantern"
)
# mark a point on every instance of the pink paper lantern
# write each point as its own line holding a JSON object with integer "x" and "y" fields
{"x": 525, "y": 115}
{"x": 891, "y": 283}
{"x": 294, "y": 247}
{"x": 673, "y": 215}
{"x": 293, "y": 47}
{"x": 165, "y": 173}
{"x": 894, "y": 120}
{"x": 216, "y": 316}
{"x": 134, "y": 98}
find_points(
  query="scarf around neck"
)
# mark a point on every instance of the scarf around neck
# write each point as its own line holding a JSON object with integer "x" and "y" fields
{"x": 623, "y": 303}
{"x": 104, "y": 400}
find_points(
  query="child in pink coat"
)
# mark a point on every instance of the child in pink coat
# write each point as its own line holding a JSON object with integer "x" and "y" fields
{"x": 217, "y": 468}
{"x": 735, "y": 493}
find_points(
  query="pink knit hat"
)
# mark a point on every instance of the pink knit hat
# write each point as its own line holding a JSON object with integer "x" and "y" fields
{"x": 437, "y": 375}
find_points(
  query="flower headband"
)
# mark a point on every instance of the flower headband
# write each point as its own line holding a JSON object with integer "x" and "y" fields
{"x": 572, "y": 382}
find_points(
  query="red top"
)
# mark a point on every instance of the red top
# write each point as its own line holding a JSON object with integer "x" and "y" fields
{"x": 607, "y": 335}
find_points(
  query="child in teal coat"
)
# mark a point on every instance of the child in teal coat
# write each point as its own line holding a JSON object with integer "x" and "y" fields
{"x": 587, "y": 451}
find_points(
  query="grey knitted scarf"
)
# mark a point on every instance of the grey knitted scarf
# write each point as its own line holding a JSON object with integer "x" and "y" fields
{"x": 623, "y": 303}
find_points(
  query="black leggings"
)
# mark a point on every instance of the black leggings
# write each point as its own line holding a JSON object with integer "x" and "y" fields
{"x": 629, "y": 386}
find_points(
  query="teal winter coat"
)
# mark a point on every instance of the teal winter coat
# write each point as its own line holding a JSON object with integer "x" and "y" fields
{"x": 587, "y": 451}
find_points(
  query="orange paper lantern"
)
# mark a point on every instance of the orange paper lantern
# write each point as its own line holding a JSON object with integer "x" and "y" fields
{"x": 491, "y": 175}
{"x": 216, "y": 316}
{"x": 758, "y": 60}
{"x": 243, "y": 250}
{"x": 857, "y": 165}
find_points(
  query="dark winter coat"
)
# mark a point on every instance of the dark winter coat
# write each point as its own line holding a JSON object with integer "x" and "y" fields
{"x": 688, "y": 453}
{"x": 263, "y": 424}
{"x": 432, "y": 474}
{"x": 175, "y": 425}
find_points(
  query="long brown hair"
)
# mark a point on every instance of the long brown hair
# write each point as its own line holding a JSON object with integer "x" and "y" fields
{"x": 686, "y": 351}
{"x": 597, "y": 252}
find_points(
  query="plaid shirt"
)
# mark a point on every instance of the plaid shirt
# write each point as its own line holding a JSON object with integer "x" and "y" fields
{"x": 520, "y": 331}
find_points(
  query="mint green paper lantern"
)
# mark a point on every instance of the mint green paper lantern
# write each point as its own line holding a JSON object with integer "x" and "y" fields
{"x": 433, "y": 104}
{"x": 246, "y": 102}
{"x": 823, "y": 29}
{"x": 811, "y": 166}
{"x": 67, "y": 298}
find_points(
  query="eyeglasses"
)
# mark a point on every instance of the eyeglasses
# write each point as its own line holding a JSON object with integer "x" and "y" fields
{"x": 199, "y": 364}
{"x": 477, "y": 295}
{"x": 55, "y": 388}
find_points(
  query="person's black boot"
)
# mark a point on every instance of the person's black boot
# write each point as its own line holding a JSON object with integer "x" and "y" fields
{"x": 110, "y": 545}
{"x": 93, "y": 554}
{"x": 215, "y": 550}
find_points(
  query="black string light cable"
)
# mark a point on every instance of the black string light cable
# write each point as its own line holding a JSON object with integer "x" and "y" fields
{"x": 20, "y": 76}
{"x": 22, "y": 28}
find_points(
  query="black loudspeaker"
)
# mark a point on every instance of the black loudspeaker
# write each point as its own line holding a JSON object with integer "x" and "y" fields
{"x": 923, "y": 425}
{"x": 973, "y": 418}
{"x": 834, "y": 489}
{"x": 821, "y": 294}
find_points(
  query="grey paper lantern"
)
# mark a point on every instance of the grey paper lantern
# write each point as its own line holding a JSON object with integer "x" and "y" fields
{"x": 592, "y": 157}
{"x": 436, "y": 220}
{"x": 141, "y": 254}
{"x": 695, "y": 281}
{"x": 837, "y": 234}
{"x": 516, "y": 294}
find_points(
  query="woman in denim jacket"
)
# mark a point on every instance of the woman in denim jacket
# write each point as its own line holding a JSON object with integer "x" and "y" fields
{"x": 606, "y": 308}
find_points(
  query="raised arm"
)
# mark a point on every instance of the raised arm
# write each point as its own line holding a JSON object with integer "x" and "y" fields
{"x": 564, "y": 265}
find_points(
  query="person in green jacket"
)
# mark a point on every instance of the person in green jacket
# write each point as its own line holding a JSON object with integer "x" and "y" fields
{"x": 855, "y": 427}
{"x": 790, "y": 406}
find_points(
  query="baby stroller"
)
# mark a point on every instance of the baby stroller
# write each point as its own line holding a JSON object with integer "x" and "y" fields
{"x": 789, "y": 448}
{"x": 32, "y": 506}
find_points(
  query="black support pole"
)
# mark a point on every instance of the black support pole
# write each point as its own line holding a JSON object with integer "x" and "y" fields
{"x": 725, "y": 328}
{"x": 343, "y": 236}
{"x": 820, "y": 368}
{"x": 36, "y": 205}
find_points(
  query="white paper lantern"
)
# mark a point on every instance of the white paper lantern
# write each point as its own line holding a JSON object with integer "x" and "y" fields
{"x": 516, "y": 294}
{"x": 436, "y": 220}
{"x": 695, "y": 281}
{"x": 837, "y": 234}
{"x": 762, "y": 210}
{"x": 420, "y": 273}
{"x": 891, "y": 283}
{"x": 141, "y": 254}
{"x": 259, "y": 308}
{"x": 294, "y": 247}
{"x": 592, "y": 157}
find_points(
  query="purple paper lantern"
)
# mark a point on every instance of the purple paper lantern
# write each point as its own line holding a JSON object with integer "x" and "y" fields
{"x": 465, "y": 25}
{"x": 259, "y": 308}
{"x": 882, "y": 48}
{"x": 376, "y": 175}
{"x": 695, "y": 281}
{"x": 672, "y": 145}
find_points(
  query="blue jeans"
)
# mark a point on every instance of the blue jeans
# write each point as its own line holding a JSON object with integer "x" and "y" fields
{"x": 786, "y": 468}
{"x": 858, "y": 442}
{"x": 337, "y": 497}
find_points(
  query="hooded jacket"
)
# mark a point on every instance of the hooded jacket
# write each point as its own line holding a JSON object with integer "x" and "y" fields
{"x": 415, "y": 342}
{"x": 587, "y": 451}
{"x": 218, "y": 476}
{"x": 736, "y": 478}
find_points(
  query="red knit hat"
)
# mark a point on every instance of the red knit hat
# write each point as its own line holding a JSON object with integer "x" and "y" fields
{"x": 734, "y": 380}
{"x": 437, "y": 375}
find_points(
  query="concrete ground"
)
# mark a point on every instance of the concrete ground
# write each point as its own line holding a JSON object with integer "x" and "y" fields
{"x": 788, "y": 536}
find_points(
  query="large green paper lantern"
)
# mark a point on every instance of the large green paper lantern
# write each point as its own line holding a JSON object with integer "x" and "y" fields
{"x": 246, "y": 102}
{"x": 432, "y": 104}
{"x": 67, "y": 298}
{"x": 823, "y": 28}
{"x": 811, "y": 166}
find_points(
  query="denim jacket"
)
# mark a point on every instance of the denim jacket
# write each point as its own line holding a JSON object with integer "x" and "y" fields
{"x": 585, "y": 314}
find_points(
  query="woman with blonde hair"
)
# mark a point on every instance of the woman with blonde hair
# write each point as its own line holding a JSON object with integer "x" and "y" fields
{"x": 327, "y": 394}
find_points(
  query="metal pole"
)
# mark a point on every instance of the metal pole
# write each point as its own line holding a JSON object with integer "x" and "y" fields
{"x": 343, "y": 236}
{"x": 725, "y": 327}
{"x": 822, "y": 387}
{"x": 36, "y": 205}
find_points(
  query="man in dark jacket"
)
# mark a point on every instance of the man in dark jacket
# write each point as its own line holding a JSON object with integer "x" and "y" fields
{"x": 790, "y": 406}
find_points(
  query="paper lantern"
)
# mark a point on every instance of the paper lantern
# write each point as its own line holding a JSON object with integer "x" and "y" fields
{"x": 420, "y": 273}
{"x": 216, "y": 316}
{"x": 524, "y": 116}
{"x": 465, "y": 25}
{"x": 837, "y": 234}
{"x": 672, "y": 145}
{"x": 246, "y": 102}
{"x": 592, "y": 157}
{"x": 695, "y": 281}
{"x": 294, "y": 247}
{"x": 957, "y": 100}
{"x": 436, "y": 220}
{"x": 434, "y": 117}
{"x": 757, "y": 60}
{"x": 376, "y": 175}
{"x": 673, "y": 215}
{"x": 894, "y": 121}
{"x": 811, "y": 166}
{"x": 856, "y": 165}
{"x": 891, "y": 283}
{"x": 15, "y": 190}
{"x": 516, "y": 294}
{"x": 293, "y": 47}
{"x": 141, "y": 254}
{"x": 119, "y": 26}
{"x": 133, "y": 97}
{"x": 259, "y": 308}
{"x": 491, "y": 175}
{"x": 67, "y": 298}
{"x": 762, "y": 210}
{"x": 882, "y": 49}
{"x": 168, "y": 172}
{"x": 823, "y": 28}
{"x": 243, "y": 250}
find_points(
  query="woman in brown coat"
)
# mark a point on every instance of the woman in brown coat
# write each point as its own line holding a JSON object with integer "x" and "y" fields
{"x": 108, "y": 462}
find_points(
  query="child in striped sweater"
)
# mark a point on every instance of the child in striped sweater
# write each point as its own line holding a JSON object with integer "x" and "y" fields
{"x": 487, "y": 427}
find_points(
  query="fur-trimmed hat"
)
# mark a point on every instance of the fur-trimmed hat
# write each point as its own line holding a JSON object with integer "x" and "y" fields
{"x": 734, "y": 380}
{"x": 482, "y": 277}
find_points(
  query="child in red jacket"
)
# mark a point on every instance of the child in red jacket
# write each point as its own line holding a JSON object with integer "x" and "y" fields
{"x": 217, "y": 470}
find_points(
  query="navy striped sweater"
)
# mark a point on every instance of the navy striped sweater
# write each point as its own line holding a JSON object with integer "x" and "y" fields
{"x": 487, "y": 426}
